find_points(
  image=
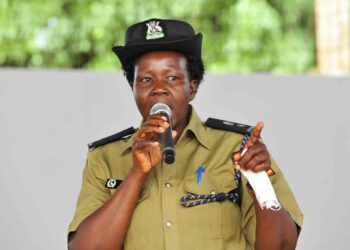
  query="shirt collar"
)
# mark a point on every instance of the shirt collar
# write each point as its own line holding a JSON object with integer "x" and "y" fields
{"x": 198, "y": 128}
{"x": 128, "y": 143}
{"x": 194, "y": 126}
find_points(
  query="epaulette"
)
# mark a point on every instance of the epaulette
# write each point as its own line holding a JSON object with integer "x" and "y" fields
{"x": 111, "y": 138}
{"x": 229, "y": 126}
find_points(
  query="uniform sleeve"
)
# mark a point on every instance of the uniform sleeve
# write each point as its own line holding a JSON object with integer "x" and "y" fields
{"x": 284, "y": 195}
{"x": 93, "y": 193}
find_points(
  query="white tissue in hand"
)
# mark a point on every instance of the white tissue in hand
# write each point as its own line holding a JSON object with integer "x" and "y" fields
{"x": 264, "y": 192}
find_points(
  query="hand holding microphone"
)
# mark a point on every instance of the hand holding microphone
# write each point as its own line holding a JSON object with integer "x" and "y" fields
{"x": 153, "y": 141}
{"x": 165, "y": 139}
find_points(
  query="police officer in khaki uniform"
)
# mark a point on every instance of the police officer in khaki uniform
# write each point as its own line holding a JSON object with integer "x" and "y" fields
{"x": 132, "y": 199}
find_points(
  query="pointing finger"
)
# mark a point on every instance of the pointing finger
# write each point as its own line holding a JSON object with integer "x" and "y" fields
{"x": 255, "y": 135}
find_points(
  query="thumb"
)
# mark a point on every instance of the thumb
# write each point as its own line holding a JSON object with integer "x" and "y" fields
{"x": 236, "y": 156}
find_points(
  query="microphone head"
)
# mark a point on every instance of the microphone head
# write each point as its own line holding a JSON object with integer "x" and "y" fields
{"x": 161, "y": 108}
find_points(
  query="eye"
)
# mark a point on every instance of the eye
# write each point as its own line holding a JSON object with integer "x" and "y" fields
{"x": 146, "y": 79}
{"x": 172, "y": 78}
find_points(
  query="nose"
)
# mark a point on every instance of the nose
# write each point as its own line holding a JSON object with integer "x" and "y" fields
{"x": 159, "y": 88}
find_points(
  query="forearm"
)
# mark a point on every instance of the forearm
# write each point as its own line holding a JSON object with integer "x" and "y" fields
{"x": 274, "y": 229}
{"x": 107, "y": 227}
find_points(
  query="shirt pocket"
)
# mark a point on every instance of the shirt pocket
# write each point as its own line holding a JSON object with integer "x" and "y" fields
{"x": 218, "y": 219}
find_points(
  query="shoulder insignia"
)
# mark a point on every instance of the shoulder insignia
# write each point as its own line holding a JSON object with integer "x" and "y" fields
{"x": 112, "y": 138}
{"x": 113, "y": 183}
{"x": 229, "y": 126}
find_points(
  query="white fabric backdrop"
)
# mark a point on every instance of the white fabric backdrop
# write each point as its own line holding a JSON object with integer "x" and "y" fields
{"x": 47, "y": 118}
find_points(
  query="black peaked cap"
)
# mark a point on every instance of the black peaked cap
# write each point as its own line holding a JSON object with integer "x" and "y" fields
{"x": 159, "y": 34}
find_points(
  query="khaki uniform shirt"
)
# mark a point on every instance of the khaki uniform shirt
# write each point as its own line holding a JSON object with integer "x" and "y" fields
{"x": 159, "y": 221}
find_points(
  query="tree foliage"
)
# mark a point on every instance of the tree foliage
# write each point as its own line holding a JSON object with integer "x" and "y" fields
{"x": 239, "y": 35}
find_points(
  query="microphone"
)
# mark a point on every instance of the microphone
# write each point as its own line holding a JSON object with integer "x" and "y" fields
{"x": 165, "y": 139}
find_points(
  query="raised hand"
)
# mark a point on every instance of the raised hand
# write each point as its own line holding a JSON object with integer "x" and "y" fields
{"x": 255, "y": 154}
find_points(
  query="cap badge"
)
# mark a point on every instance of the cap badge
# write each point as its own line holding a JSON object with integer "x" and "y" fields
{"x": 154, "y": 31}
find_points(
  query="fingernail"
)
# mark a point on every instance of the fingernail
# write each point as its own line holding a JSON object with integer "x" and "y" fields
{"x": 238, "y": 167}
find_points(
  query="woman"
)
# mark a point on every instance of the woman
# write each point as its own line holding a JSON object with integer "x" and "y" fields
{"x": 132, "y": 199}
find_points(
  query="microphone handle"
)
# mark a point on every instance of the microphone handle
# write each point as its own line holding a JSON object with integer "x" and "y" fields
{"x": 167, "y": 146}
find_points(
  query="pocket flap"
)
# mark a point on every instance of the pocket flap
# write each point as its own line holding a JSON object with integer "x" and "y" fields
{"x": 210, "y": 184}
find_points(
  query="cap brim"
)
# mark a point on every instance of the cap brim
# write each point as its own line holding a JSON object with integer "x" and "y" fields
{"x": 191, "y": 45}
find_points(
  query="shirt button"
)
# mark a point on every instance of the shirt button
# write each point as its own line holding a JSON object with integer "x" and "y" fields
{"x": 168, "y": 185}
{"x": 213, "y": 192}
{"x": 168, "y": 223}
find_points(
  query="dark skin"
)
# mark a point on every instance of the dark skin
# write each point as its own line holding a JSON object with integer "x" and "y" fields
{"x": 162, "y": 76}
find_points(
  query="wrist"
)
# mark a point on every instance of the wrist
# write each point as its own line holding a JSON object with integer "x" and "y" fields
{"x": 137, "y": 173}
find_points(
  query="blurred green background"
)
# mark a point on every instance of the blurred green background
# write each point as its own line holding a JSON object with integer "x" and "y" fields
{"x": 239, "y": 35}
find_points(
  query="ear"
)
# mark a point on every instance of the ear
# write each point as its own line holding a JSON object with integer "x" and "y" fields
{"x": 193, "y": 89}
